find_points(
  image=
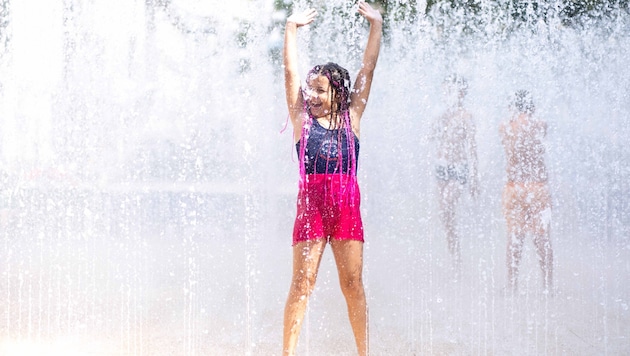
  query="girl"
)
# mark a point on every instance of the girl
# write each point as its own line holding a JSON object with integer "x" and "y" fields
{"x": 526, "y": 196}
{"x": 326, "y": 118}
{"x": 456, "y": 163}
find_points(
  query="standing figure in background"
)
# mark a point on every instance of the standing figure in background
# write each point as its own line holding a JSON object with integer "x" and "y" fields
{"x": 456, "y": 162}
{"x": 526, "y": 197}
{"x": 326, "y": 117}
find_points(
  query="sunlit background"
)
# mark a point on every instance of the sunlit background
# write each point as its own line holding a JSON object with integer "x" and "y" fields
{"x": 148, "y": 188}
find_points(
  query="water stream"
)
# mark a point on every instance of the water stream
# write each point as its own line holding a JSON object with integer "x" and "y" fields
{"x": 148, "y": 196}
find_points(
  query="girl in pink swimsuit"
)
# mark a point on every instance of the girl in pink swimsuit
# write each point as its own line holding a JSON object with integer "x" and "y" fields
{"x": 329, "y": 199}
{"x": 326, "y": 117}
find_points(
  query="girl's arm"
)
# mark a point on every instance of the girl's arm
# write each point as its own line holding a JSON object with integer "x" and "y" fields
{"x": 363, "y": 83}
{"x": 291, "y": 76}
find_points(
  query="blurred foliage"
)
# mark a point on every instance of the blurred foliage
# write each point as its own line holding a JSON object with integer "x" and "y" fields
{"x": 494, "y": 18}
{"x": 449, "y": 17}
{"x": 569, "y": 11}
{"x": 580, "y": 11}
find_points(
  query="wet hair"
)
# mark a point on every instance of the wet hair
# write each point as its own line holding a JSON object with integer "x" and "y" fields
{"x": 339, "y": 79}
{"x": 522, "y": 102}
{"x": 457, "y": 81}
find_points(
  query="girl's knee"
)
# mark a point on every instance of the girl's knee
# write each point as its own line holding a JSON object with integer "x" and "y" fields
{"x": 352, "y": 286}
{"x": 303, "y": 285}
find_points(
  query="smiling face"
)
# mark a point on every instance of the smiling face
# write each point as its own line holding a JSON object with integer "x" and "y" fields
{"x": 319, "y": 96}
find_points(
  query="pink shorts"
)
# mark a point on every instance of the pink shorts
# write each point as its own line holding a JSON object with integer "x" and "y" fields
{"x": 328, "y": 207}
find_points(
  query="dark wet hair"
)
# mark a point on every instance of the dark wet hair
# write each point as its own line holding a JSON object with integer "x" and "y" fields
{"x": 339, "y": 79}
{"x": 522, "y": 102}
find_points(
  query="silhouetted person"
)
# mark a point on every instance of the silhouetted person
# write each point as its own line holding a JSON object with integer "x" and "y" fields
{"x": 456, "y": 161}
{"x": 526, "y": 197}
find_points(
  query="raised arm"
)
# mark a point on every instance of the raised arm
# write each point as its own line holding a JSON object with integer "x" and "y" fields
{"x": 291, "y": 76}
{"x": 363, "y": 83}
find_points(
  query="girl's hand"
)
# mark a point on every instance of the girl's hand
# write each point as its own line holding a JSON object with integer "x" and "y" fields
{"x": 302, "y": 18}
{"x": 371, "y": 14}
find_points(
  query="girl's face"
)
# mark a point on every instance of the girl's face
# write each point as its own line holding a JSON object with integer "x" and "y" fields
{"x": 318, "y": 96}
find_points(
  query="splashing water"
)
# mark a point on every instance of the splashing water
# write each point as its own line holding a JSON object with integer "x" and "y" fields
{"x": 148, "y": 198}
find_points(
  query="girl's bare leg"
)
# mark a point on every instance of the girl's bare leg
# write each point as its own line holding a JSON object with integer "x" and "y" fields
{"x": 541, "y": 229}
{"x": 349, "y": 260}
{"x": 516, "y": 219}
{"x": 450, "y": 193}
{"x": 514, "y": 252}
{"x": 307, "y": 256}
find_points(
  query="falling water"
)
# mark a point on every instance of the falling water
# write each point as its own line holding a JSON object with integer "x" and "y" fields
{"x": 148, "y": 195}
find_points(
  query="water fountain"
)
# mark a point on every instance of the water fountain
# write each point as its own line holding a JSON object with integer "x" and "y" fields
{"x": 148, "y": 194}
